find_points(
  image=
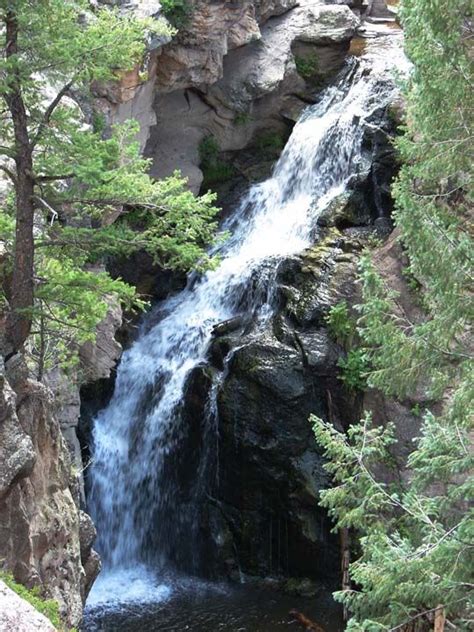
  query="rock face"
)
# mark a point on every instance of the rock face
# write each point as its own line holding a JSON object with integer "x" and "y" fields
{"x": 17, "y": 614}
{"x": 43, "y": 540}
{"x": 229, "y": 73}
{"x": 267, "y": 501}
{"x": 253, "y": 87}
{"x": 195, "y": 60}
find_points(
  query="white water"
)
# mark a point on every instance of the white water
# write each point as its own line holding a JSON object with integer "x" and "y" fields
{"x": 131, "y": 495}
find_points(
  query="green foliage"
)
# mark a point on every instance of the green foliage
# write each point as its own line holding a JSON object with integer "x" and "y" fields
{"x": 416, "y": 530}
{"x": 178, "y": 12}
{"x": 65, "y": 39}
{"x": 48, "y": 607}
{"x": 214, "y": 170}
{"x": 307, "y": 67}
{"x": 415, "y": 537}
{"x": 98, "y": 122}
{"x": 82, "y": 180}
{"x": 355, "y": 368}
{"x": 242, "y": 118}
{"x": 270, "y": 143}
{"x": 340, "y": 325}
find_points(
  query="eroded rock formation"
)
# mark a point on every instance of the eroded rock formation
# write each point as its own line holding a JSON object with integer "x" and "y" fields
{"x": 43, "y": 538}
{"x": 230, "y": 73}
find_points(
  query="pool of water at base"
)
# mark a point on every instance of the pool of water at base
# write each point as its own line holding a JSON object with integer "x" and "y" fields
{"x": 196, "y": 606}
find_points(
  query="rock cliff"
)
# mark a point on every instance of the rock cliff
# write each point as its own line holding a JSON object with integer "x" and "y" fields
{"x": 230, "y": 73}
{"x": 45, "y": 536}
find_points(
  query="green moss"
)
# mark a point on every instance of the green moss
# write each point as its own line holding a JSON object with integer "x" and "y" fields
{"x": 214, "y": 170}
{"x": 48, "y": 607}
{"x": 270, "y": 141}
{"x": 241, "y": 118}
{"x": 307, "y": 67}
{"x": 314, "y": 257}
{"x": 177, "y": 12}
{"x": 247, "y": 363}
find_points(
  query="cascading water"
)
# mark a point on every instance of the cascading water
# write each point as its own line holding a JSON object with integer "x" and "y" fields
{"x": 141, "y": 517}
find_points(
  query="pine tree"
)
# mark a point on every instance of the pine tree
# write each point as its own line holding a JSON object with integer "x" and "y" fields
{"x": 67, "y": 177}
{"x": 416, "y": 532}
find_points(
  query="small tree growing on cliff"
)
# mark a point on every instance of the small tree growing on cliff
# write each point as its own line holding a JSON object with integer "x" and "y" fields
{"x": 66, "y": 178}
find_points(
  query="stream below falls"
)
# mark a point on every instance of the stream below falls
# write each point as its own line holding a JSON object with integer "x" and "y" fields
{"x": 148, "y": 535}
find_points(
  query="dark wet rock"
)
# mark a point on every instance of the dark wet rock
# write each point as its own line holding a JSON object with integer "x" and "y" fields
{"x": 348, "y": 209}
{"x": 320, "y": 277}
{"x": 228, "y": 326}
{"x": 218, "y": 351}
{"x": 263, "y": 515}
{"x": 264, "y": 404}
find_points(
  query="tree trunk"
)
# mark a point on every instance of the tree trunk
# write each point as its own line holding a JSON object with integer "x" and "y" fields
{"x": 439, "y": 619}
{"x": 22, "y": 281}
{"x": 345, "y": 561}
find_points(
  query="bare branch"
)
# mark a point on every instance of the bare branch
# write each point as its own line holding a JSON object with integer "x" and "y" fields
{"x": 50, "y": 110}
{"x": 9, "y": 173}
{"x": 66, "y": 176}
{"x": 47, "y": 207}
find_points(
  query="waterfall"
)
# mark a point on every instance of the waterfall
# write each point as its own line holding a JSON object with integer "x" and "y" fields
{"x": 142, "y": 518}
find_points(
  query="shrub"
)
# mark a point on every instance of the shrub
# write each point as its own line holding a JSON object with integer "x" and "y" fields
{"x": 214, "y": 170}
{"x": 355, "y": 367}
{"x": 340, "y": 325}
{"x": 177, "y": 12}
{"x": 307, "y": 67}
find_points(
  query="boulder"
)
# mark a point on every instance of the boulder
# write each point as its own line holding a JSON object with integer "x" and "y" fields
{"x": 19, "y": 615}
